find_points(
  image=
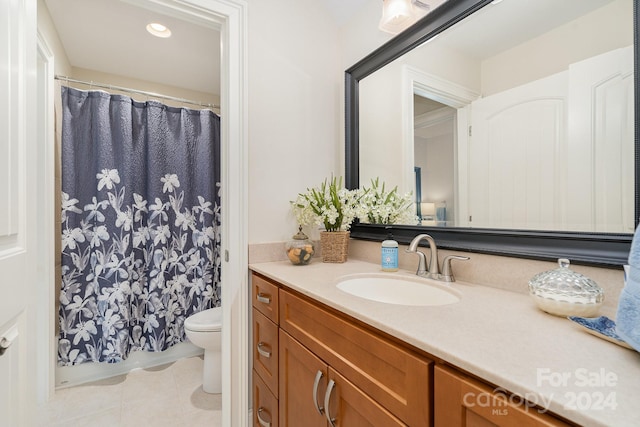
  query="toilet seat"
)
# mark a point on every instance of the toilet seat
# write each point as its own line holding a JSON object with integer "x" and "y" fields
{"x": 205, "y": 321}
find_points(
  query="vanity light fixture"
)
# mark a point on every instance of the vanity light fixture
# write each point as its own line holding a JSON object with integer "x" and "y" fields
{"x": 158, "y": 30}
{"x": 398, "y": 15}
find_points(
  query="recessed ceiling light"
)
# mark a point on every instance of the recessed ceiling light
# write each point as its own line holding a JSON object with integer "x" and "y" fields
{"x": 158, "y": 30}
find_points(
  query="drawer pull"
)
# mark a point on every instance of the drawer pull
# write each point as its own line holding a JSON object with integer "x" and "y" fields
{"x": 262, "y": 422}
{"x": 262, "y": 351}
{"x": 264, "y": 298}
{"x": 327, "y": 398}
{"x": 316, "y": 382}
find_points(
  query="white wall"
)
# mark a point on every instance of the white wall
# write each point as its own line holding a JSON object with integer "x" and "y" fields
{"x": 361, "y": 36}
{"x": 144, "y": 85}
{"x": 554, "y": 51}
{"x": 380, "y": 96}
{"x": 295, "y": 87}
{"x": 49, "y": 33}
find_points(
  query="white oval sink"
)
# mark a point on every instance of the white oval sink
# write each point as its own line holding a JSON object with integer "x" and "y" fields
{"x": 395, "y": 289}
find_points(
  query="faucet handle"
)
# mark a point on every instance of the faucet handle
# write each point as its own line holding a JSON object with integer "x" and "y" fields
{"x": 447, "y": 272}
{"x": 422, "y": 261}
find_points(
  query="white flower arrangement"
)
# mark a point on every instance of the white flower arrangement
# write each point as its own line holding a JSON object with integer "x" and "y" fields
{"x": 330, "y": 205}
{"x": 336, "y": 207}
{"x": 379, "y": 206}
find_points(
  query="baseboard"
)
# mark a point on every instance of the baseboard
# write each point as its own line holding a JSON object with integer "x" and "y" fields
{"x": 69, "y": 376}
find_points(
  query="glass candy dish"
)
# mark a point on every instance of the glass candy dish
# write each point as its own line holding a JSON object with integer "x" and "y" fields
{"x": 563, "y": 292}
{"x": 300, "y": 249}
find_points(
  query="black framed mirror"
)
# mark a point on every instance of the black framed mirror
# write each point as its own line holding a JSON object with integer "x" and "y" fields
{"x": 592, "y": 248}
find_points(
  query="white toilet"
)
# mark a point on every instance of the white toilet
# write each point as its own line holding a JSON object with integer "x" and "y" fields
{"x": 204, "y": 329}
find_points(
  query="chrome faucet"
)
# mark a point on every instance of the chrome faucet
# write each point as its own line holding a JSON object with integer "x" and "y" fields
{"x": 433, "y": 269}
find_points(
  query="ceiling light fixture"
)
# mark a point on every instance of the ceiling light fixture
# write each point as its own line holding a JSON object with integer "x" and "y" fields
{"x": 397, "y": 15}
{"x": 158, "y": 30}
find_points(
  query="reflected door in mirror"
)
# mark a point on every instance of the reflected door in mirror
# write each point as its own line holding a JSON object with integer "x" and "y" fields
{"x": 557, "y": 153}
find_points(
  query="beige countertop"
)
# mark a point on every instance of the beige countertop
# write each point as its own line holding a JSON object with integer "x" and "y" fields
{"x": 498, "y": 335}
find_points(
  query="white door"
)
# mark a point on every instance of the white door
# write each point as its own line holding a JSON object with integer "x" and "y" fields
{"x": 601, "y": 135}
{"x": 557, "y": 153}
{"x": 517, "y": 150}
{"x": 17, "y": 209}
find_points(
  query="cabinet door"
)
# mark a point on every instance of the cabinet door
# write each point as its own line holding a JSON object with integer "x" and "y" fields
{"x": 349, "y": 406}
{"x": 462, "y": 401}
{"x": 298, "y": 370}
{"x": 265, "y": 404}
{"x": 397, "y": 378}
{"x": 265, "y": 350}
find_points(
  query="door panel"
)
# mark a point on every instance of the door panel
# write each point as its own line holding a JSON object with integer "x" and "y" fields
{"x": 18, "y": 121}
{"x": 350, "y": 406}
{"x": 298, "y": 370}
{"x": 601, "y": 142}
{"x": 517, "y": 152}
{"x": 557, "y": 153}
{"x": 12, "y": 372}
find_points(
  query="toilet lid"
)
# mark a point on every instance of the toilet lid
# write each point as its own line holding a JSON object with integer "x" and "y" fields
{"x": 206, "y": 320}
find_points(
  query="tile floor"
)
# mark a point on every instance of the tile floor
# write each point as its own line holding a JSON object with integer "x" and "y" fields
{"x": 165, "y": 396}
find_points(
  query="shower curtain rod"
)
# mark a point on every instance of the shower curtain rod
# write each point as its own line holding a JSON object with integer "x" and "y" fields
{"x": 140, "y": 92}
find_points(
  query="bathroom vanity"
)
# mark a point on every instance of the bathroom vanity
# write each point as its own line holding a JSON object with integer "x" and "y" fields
{"x": 327, "y": 357}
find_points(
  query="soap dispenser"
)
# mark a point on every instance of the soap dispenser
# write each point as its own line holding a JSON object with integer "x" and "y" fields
{"x": 389, "y": 253}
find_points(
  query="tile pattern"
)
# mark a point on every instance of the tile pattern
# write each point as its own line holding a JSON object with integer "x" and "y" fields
{"x": 170, "y": 395}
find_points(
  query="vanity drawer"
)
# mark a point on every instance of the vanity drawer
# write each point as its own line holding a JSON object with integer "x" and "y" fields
{"x": 395, "y": 377}
{"x": 265, "y": 350}
{"x": 265, "y": 404}
{"x": 265, "y": 296}
{"x": 463, "y": 401}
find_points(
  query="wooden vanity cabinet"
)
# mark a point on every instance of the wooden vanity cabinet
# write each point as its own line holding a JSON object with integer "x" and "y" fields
{"x": 304, "y": 380}
{"x": 369, "y": 379}
{"x": 309, "y": 359}
{"x": 463, "y": 401}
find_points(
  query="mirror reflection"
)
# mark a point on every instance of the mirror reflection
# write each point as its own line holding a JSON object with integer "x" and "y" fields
{"x": 518, "y": 117}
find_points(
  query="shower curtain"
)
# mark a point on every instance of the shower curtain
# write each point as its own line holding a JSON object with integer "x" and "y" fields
{"x": 140, "y": 224}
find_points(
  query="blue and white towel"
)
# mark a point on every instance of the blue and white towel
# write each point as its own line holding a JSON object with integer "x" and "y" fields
{"x": 628, "y": 315}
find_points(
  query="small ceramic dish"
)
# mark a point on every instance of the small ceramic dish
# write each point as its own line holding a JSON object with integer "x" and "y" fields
{"x": 601, "y": 327}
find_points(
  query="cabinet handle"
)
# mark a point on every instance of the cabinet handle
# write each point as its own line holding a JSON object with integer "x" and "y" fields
{"x": 262, "y": 351}
{"x": 262, "y": 422}
{"x": 316, "y": 382}
{"x": 327, "y": 398}
{"x": 264, "y": 298}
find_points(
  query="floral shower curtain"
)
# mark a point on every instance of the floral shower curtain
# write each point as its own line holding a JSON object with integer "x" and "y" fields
{"x": 140, "y": 224}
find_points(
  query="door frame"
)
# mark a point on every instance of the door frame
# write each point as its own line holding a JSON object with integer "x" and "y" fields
{"x": 230, "y": 18}
{"x": 415, "y": 81}
{"x": 45, "y": 316}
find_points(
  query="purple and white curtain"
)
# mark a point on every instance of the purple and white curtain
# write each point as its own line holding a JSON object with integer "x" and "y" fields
{"x": 140, "y": 224}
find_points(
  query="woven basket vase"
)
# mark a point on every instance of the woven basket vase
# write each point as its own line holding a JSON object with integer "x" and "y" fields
{"x": 334, "y": 245}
